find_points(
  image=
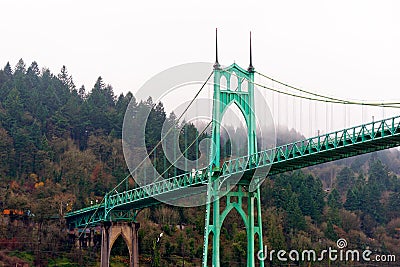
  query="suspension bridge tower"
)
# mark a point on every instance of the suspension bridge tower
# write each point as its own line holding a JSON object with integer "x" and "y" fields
{"x": 225, "y": 194}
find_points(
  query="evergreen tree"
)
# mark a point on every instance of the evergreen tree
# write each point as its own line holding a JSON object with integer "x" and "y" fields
{"x": 33, "y": 70}
{"x": 371, "y": 203}
{"x": 6, "y": 153}
{"x": 378, "y": 175}
{"x": 82, "y": 92}
{"x": 345, "y": 179}
{"x": 154, "y": 124}
{"x": 7, "y": 70}
{"x": 66, "y": 79}
{"x": 14, "y": 106}
{"x": 353, "y": 199}
{"x": 20, "y": 68}
{"x": 294, "y": 219}
{"x": 6, "y": 76}
{"x": 334, "y": 204}
{"x": 274, "y": 230}
{"x": 334, "y": 200}
{"x": 101, "y": 106}
{"x": 393, "y": 206}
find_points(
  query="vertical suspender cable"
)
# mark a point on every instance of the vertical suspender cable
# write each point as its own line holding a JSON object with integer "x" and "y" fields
{"x": 316, "y": 117}
{"x": 348, "y": 116}
{"x": 294, "y": 113}
{"x": 287, "y": 113}
{"x": 165, "y": 165}
{"x": 186, "y": 148}
{"x": 332, "y": 125}
{"x": 326, "y": 118}
{"x": 155, "y": 163}
{"x": 176, "y": 146}
{"x": 279, "y": 106}
{"x": 310, "y": 118}
{"x": 362, "y": 113}
{"x": 300, "y": 112}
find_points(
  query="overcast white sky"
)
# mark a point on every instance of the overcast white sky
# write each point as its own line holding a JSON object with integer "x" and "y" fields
{"x": 349, "y": 49}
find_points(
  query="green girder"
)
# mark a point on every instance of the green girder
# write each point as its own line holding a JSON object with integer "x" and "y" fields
{"x": 341, "y": 144}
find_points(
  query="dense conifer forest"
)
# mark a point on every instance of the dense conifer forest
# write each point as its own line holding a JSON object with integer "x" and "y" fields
{"x": 60, "y": 150}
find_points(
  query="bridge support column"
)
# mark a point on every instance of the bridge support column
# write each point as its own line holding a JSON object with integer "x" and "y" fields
{"x": 105, "y": 245}
{"x": 129, "y": 232}
{"x": 248, "y": 205}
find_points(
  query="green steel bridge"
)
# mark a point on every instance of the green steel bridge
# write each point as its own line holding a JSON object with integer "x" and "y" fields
{"x": 328, "y": 147}
{"x": 121, "y": 207}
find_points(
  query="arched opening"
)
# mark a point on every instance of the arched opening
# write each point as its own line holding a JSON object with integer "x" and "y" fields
{"x": 234, "y": 84}
{"x": 234, "y": 141}
{"x": 245, "y": 85}
{"x": 223, "y": 84}
{"x": 119, "y": 255}
{"x": 233, "y": 241}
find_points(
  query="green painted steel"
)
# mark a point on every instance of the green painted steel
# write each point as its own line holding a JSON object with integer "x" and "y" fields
{"x": 332, "y": 146}
{"x": 374, "y": 136}
{"x": 248, "y": 206}
{"x": 136, "y": 199}
{"x": 241, "y": 94}
{"x": 341, "y": 144}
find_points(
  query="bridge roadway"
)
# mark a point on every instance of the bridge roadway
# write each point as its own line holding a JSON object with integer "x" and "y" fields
{"x": 365, "y": 138}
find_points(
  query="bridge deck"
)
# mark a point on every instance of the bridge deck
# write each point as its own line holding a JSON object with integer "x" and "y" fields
{"x": 341, "y": 144}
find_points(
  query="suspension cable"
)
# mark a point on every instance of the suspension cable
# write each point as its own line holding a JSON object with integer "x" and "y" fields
{"x": 191, "y": 144}
{"x": 162, "y": 139}
{"x": 169, "y": 130}
{"x": 183, "y": 153}
{"x": 323, "y": 98}
{"x": 335, "y": 100}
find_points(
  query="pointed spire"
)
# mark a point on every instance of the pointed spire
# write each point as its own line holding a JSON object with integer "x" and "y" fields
{"x": 251, "y": 68}
{"x": 216, "y": 64}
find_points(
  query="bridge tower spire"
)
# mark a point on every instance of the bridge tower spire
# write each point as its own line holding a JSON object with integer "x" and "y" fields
{"x": 216, "y": 64}
{"x": 247, "y": 203}
{"x": 250, "y": 68}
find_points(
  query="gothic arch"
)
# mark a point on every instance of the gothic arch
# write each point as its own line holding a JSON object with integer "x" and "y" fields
{"x": 123, "y": 235}
{"x": 110, "y": 232}
{"x": 239, "y": 209}
{"x": 240, "y": 107}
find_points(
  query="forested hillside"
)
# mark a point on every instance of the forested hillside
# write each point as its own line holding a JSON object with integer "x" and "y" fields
{"x": 60, "y": 150}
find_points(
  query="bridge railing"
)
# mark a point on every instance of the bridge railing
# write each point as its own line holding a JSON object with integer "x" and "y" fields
{"x": 384, "y": 134}
{"x": 196, "y": 177}
{"x": 317, "y": 144}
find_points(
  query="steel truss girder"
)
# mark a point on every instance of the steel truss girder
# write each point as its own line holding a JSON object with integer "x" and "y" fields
{"x": 328, "y": 147}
